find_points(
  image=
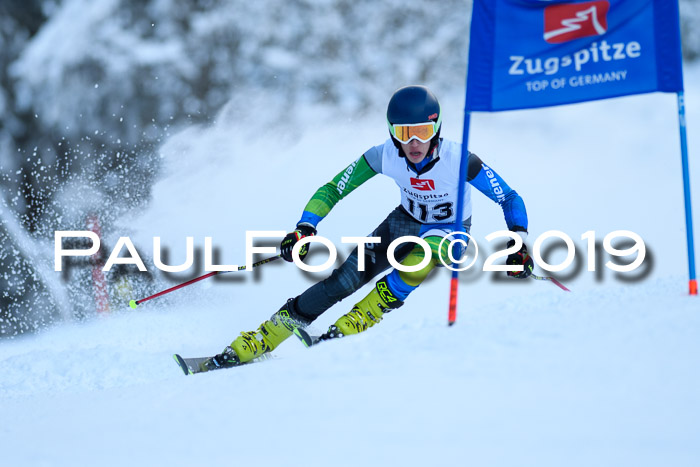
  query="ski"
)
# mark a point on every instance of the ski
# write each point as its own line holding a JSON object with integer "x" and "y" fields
{"x": 308, "y": 340}
{"x": 191, "y": 366}
{"x": 305, "y": 338}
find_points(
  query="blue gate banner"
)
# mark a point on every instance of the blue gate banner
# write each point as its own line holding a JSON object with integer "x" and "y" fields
{"x": 538, "y": 53}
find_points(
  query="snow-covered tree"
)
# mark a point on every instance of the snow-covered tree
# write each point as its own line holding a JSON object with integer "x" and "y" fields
{"x": 90, "y": 89}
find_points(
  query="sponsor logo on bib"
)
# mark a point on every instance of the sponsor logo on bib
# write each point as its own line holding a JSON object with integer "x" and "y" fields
{"x": 422, "y": 185}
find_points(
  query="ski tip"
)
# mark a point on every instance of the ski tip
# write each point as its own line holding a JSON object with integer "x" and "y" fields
{"x": 303, "y": 336}
{"x": 181, "y": 363}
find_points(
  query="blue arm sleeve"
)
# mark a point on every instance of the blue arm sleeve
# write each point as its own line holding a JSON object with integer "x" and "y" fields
{"x": 310, "y": 218}
{"x": 487, "y": 181}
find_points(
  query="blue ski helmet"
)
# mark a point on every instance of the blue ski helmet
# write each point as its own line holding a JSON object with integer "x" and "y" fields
{"x": 414, "y": 104}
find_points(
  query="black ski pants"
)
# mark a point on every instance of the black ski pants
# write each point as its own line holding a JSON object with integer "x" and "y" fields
{"x": 346, "y": 279}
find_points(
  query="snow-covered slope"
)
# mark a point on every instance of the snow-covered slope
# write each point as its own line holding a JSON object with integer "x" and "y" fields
{"x": 529, "y": 375}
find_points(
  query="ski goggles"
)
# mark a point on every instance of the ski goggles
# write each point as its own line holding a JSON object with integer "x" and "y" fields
{"x": 405, "y": 132}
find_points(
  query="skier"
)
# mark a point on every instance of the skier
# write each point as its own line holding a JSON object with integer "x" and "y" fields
{"x": 426, "y": 169}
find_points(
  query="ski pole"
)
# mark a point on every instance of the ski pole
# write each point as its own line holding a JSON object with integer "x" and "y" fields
{"x": 135, "y": 303}
{"x": 551, "y": 279}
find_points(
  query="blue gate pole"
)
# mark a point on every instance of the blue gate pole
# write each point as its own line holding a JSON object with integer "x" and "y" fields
{"x": 692, "y": 283}
{"x": 454, "y": 282}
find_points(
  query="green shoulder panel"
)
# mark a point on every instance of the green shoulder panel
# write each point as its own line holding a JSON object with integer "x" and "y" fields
{"x": 342, "y": 185}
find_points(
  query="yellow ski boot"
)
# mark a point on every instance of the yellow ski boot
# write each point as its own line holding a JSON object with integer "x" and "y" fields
{"x": 367, "y": 312}
{"x": 268, "y": 336}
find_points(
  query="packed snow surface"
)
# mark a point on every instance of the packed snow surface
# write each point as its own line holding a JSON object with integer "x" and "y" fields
{"x": 530, "y": 375}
